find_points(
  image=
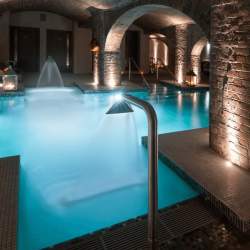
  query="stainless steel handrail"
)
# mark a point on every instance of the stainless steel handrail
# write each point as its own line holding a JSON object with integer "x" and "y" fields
{"x": 139, "y": 70}
{"x": 152, "y": 168}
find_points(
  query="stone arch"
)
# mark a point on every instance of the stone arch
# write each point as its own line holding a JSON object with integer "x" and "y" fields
{"x": 112, "y": 67}
{"x": 196, "y": 57}
{"x": 119, "y": 28}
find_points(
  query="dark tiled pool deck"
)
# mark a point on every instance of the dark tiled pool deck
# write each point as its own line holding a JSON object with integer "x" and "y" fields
{"x": 9, "y": 179}
{"x": 198, "y": 87}
{"x": 174, "y": 222}
{"x": 190, "y": 225}
{"x": 226, "y": 186}
{"x": 125, "y": 87}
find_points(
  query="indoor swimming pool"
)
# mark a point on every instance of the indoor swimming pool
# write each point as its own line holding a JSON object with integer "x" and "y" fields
{"x": 82, "y": 170}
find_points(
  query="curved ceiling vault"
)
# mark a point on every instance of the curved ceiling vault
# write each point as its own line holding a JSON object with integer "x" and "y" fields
{"x": 107, "y": 4}
{"x": 162, "y": 15}
{"x": 76, "y": 9}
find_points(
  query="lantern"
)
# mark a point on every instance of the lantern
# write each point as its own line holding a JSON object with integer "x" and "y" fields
{"x": 191, "y": 78}
{"x": 94, "y": 46}
{"x": 10, "y": 79}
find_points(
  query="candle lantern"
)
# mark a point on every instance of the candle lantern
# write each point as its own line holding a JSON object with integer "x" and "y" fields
{"x": 191, "y": 78}
{"x": 10, "y": 79}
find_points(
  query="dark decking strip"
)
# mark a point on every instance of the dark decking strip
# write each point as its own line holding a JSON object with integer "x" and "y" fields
{"x": 11, "y": 93}
{"x": 9, "y": 179}
{"x": 91, "y": 89}
{"x": 174, "y": 222}
{"x": 225, "y": 187}
{"x": 185, "y": 87}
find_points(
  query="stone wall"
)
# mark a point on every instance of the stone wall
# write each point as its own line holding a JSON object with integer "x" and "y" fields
{"x": 230, "y": 80}
{"x": 181, "y": 58}
{"x": 112, "y": 69}
{"x": 196, "y": 66}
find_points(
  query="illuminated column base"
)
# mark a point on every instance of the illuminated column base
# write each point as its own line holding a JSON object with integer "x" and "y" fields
{"x": 96, "y": 68}
{"x": 229, "y": 81}
{"x": 112, "y": 69}
{"x": 181, "y": 53}
{"x": 196, "y": 66}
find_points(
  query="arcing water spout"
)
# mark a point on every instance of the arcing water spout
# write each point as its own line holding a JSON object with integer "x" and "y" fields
{"x": 50, "y": 75}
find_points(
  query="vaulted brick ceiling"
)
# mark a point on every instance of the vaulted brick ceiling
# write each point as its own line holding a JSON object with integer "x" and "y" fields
{"x": 162, "y": 19}
{"x": 108, "y": 4}
{"x": 81, "y": 10}
{"x": 77, "y": 9}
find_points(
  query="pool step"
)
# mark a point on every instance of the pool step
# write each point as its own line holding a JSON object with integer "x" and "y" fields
{"x": 9, "y": 179}
{"x": 174, "y": 222}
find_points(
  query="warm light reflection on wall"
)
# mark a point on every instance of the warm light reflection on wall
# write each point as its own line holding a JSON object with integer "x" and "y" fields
{"x": 232, "y": 140}
{"x": 112, "y": 82}
{"x": 208, "y": 47}
{"x": 180, "y": 76}
{"x": 96, "y": 68}
{"x": 112, "y": 69}
{"x": 158, "y": 50}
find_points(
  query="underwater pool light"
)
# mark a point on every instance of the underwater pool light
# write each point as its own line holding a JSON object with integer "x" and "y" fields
{"x": 120, "y": 106}
{"x": 118, "y": 97}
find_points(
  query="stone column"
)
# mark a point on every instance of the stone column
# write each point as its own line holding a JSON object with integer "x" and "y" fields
{"x": 99, "y": 34}
{"x": 96, "y": 68}
{"x": 181, "y": 53}
{"x": 230, "y": 80}
{"x": 196, "y": 66}
{"x": 112, "y": 69}
{"x": 107, "y": 65}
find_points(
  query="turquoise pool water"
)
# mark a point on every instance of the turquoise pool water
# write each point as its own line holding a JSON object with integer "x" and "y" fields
{"x": 82, "y": 170}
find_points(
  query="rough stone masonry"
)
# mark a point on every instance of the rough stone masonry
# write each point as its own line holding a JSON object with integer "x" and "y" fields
{"x": 230, "y": 80}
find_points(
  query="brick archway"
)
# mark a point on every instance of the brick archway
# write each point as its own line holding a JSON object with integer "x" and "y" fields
{"x": 119, "y": 28}
{"x": 174, "y": 17}
{"x": 196, "y": 57}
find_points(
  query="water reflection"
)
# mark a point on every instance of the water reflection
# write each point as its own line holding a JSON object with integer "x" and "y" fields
{"x": 207, "y": 100}
{"x": 179, "y": 101}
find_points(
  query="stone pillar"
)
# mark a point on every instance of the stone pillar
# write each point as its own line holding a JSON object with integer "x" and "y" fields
{"x": 112, "y": 69}
{"x": 106, "y": 65}
{"x": 181, "y": 53}
{"x": 96, "y": 67}
{"x": 230, "y": 80}
{"x": 196, "y": 66}
{"x": 99, "y": 34}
